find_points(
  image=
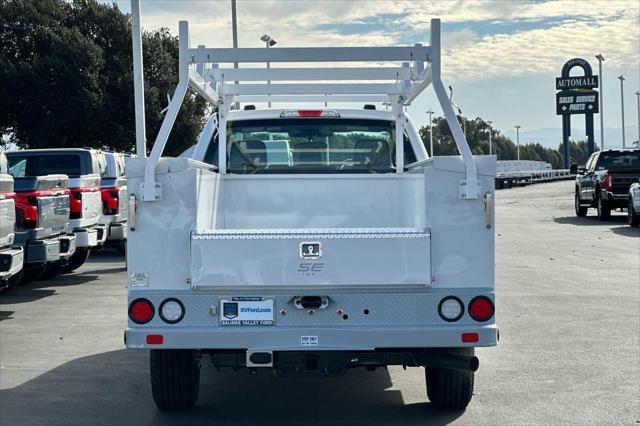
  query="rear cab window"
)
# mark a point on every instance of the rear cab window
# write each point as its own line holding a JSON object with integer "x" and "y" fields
{"x": 618, "y": 160}
{"x": 30, "y": 165}
{"x": 318, "y": 145}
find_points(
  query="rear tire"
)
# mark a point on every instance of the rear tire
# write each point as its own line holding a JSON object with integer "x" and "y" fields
{"x": 580, "y": 210}
{"x": 175, "y": 378}
{"x": 53, "y": 269}
{"x": 14, "y": 281}
{"x": 634, "y": 219}
{"x": 450, "y": 389}
{"x": 32, "y": 274}
{"x": 77, "y": 259}
{"x": 604, "y": 211}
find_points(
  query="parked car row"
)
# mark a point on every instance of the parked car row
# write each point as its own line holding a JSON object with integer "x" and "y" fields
{"x": 56, "y": 206}
{"x": 608, "y": 181}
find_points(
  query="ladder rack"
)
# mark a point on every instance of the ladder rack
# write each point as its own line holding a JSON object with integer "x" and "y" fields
{"x": 398, "y": 85}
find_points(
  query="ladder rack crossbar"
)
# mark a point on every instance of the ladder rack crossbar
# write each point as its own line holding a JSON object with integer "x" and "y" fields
{"x": 310, "y": 54}
{"x": 312, "y": 89}
{"x": 311, "y": 74}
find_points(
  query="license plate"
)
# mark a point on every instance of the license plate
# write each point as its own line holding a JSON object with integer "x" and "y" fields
{"x": 246, "y": 311}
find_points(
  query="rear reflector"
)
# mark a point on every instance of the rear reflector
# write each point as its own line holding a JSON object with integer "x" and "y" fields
{"x": 466, "y": 337}
{"x": 309, "y": 113}
{"x": 155, "y": 339}
{"x": 481, "y": 308}
{"x": 141, "y": 311}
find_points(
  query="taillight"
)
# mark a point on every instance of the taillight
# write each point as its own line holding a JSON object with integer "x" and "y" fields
{"x": 75, "y": 204}
{"x": 607, "y": 182}
{"x": 26, "y": 211}
{"x": 109, "y": 200}
{"x": 171, "y": 311}
{"x": 141, "y": 311}
{"x": 450, "y": 309}
{"x": 481, "y": 308}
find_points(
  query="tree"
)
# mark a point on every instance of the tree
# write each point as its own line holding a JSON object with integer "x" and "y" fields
{"x": 503, "y": 147}
{"x": 66, "y": 78}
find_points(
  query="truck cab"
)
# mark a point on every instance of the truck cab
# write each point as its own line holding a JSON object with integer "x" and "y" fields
{"x": 310, "y": 240}
{"x": 113, "y": 189}
{"x": 84, "y": 168}
{"x": 11, "y": 254}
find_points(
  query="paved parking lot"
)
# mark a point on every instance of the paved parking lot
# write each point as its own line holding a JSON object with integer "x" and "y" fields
{"x": 568, "y": 305}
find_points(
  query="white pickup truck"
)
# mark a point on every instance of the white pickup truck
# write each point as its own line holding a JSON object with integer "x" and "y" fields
{"x": 311, "y": 240}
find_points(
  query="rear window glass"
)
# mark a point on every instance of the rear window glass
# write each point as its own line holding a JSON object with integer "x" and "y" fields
{"x": 618, "y": 160}
{"x": 311, "y": 146}
{"x": 40, "y": 165}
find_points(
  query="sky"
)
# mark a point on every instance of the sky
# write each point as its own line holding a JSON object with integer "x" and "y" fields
{"x": 501, "y": 57}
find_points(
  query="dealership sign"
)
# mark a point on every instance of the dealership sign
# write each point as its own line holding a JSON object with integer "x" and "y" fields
{"x": 576, "y": 95}
{"x": 574, "y": 102}
{"x": 584, "y": 82}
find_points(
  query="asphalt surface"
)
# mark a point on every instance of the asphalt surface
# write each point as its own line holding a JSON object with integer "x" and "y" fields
{"x": 568, "y": 305}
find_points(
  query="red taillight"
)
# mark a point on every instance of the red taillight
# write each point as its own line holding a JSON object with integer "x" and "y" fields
{"x": 481, "y": 308}
{"x": 141, "y": 311}
{"x": 155, "y": 339}
{"x": 109, "y": 200}
{"x": 75, "y": 204}
{"x": 309, "y": 112}
{"x": 607, "y": 182}
{"x": 469, "y": 337}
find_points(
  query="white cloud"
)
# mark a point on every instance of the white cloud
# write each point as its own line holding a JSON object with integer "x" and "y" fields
{"x": 584, "y": 27}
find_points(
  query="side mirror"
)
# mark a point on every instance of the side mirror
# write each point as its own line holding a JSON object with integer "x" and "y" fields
{"x": 573, "y": 169}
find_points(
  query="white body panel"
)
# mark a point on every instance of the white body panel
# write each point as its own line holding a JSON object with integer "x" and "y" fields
{"x": 196, "y": 198}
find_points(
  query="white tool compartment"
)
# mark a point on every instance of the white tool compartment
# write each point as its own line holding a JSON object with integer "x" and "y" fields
{"x": 298, "y": 258}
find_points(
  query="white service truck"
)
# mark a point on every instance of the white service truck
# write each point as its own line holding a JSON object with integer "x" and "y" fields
{"x": 356, "y": 250}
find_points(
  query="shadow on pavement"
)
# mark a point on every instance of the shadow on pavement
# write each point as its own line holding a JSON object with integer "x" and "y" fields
{"x": 626, "y": 231}
{"x": 591, "y": 220}
{"x": 39, "y": 289}
{"x": 5, "y": 315}
{"x": 113, "y": 388}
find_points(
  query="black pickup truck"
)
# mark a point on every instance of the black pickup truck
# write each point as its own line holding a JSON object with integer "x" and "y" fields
{"x": 604, "y": 181}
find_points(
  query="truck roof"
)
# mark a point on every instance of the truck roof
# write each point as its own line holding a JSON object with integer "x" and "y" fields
{"x": 52, "y": 151}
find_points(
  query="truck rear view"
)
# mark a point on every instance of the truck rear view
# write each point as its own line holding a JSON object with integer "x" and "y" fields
{"x": 311, "y": 240}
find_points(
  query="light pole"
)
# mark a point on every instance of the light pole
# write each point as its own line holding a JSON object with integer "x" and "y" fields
{"x": 517, "y": 126}
{"x": 489, "y": 123}
{"x": 268, "y": 42}
{"x": 622, "y": 79}
{"x": 234, "y": 34}
{"x": 430, "y": 112}
{"x": 600, "y": 59}
{"x": 638, "y": 97}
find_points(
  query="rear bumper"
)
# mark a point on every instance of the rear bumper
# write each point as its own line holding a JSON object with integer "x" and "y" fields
{"x": 67, "y": 246}
{"x": 617, "y": 200}
{"x": 289, "y": 338}
{"x": 90, "y": 237}
{"x": 11, "y": 261}
{"x": 117, "y": 231}
{"x": 43, "y": 251}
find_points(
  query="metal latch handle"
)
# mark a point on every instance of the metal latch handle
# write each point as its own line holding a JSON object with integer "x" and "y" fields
{"x": 133, "y": 205}
{"x": 488, "y": 210}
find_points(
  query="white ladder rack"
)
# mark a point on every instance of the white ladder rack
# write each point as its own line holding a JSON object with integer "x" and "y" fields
{"x": 398, "y": 85}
